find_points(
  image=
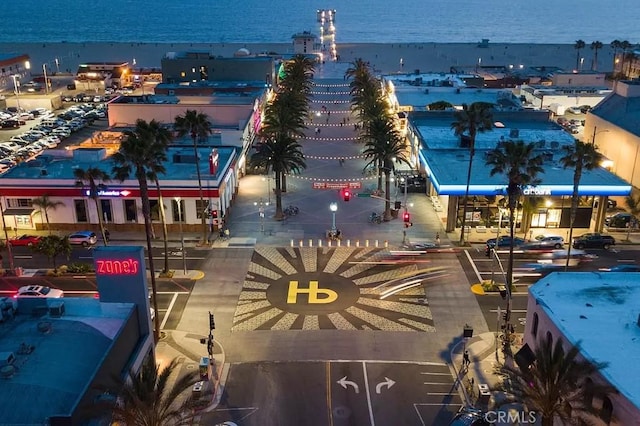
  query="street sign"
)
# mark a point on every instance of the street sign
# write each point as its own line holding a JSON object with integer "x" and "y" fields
{"x": 337, "y": 185}
{"x": 364, "y": 195}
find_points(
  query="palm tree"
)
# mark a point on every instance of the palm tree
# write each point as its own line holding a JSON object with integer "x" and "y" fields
{"x": 196, "y": 125}
{"x": 139, "y": 155}
{"x": 633, "y": 204}
{"x": 624, "y": 46}
{"x": 471, "y": 120}
{"x": 595, "y": 46}
{"x": 283, "y": 155}
{"x": 521, "y": 165}
{"x": 44, "y": 204}
{"x": 615, "y": 45}
{"x": 580, "y": 156}
{"x": 90, "y": 178}
{"x": 555, "y": 386}
{"x": 579, "y": 45}
{"x": 386, "y": 145}
{"x": 439, "y": 106}
{"x": 161, "y": 137}
{"x": 147, "y": 399}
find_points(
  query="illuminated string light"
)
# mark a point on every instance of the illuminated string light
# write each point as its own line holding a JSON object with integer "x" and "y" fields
{"x": 316, "y": 157}
{"x": 321, "y": 179}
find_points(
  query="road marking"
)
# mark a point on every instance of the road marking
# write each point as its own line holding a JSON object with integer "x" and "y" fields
{"x": 513, "y": 311}
{"x": 329, "y": 406}
{"x": 22, "y": 257}
{"x": 516, "y": 274}
{"x": 366, "y": 386}
{"x": 473, "y": 265}
{"x": 440, "y": 393}
{"x": 626, "y": 261}
{"x": 85, "y": 257}
{"x": 387, "y": 382}
{"x": 344, "y": 383}
{"x": 166, "y": 315}
{"x": 437, "y": 374}
{"x": 436, "y": 383}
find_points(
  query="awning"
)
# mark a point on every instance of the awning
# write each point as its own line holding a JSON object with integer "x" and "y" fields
{"x": 18, "y": 211}
{"x": 525, "y": 357}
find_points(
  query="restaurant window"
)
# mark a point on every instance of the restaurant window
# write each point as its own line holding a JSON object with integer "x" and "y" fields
{"x": 534, "y": 326}
{"x": 607, "y": 410}
{"x": 130, "y": 210}
{"x": 183, "y": 74}
{"x": 200, "y": 207}
{"x": 178, "y": 214}
{"x": 155, "y": 210}
{"x": 107, "y": 214}
{"x": 81, "y": 211}
{"x": 19, "y": 202}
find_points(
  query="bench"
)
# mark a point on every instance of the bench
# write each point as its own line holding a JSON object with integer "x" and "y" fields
{"x": 481, "y": 229}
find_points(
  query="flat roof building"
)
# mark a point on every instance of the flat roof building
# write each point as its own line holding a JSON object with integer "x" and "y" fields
{"x": 600, "y": 312}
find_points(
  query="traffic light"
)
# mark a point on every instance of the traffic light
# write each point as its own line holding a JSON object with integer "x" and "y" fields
{"x": 214, "y": 213}
{"x": 212, "y": 322}
{"x": 398, "y": 205}
{"x": 346, "y": 195}
{"x": 406, "y": 217}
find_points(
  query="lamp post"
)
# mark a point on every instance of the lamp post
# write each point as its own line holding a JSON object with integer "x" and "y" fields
{"x": 16, "y": 89}
{"x": 595, "y": 132}
{"x": 46, "y": 82}
{"x": 334, "y": 208}
{"x": 178, "y": 201}
{"x": 261, "y": 213}
{"x": 267, "y": 178}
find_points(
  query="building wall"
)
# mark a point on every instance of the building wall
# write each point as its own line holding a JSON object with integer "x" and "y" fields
{"x": 624, "y": 412}
{"x": 125, "y": 115}
{"x": 579, "y": 79}
{"x": 187, "y": 69}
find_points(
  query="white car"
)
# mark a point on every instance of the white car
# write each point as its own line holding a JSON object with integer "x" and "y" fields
{"x": 83, "y": 238}
{"x": 39, "y": 291}
{"x": 574, "y": 110}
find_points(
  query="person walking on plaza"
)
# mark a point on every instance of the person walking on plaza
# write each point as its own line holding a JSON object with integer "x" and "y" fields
{"x": 437, "y": 238}
{"x": 465, "y": 359}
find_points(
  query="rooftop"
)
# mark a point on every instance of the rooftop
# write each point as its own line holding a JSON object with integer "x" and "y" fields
{"x": 49, "y": 380}
{"x": 600, "y": 312}
{"x": 621, "y": 111}
{"x": 180, "y": 164}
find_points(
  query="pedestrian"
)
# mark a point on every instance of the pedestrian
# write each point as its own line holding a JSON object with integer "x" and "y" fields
{"x": 327, "y": 119}
{"x": 317, "y": 130}
{"x": 226, "y": 233}
{"x": 437, "y": 238}
{"x": 221, "y": 233}
{"x": 327, "y": 88}
{"x": 329, "y": 113}
{"x": 465, "y": 359}
{"x": 107, "y": 235}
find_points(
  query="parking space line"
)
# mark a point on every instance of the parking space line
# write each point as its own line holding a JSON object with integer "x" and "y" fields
{"x": 473, "y": 265}
{"x": 437, "y": 374}
{"x": 366, "y": 385}
{"x": 166, "y": 315}
{"x": 436, "y": 383}
{"x": 329, "y": 406}
{"x": 441, "y": 393}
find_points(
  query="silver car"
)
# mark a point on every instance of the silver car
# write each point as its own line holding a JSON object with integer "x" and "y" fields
{"x": 548, "y": 241}
{"x": 84, "y": 238}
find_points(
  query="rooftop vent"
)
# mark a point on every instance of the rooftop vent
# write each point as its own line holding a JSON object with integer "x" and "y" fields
{"x": 44, "y": 172}
{"x": 514, "y": 133}
{"x": 56, "y": 309}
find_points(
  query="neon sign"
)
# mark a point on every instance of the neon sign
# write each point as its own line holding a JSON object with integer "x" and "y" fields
{"x": 536, "y": 190}
{"x": 117, "y": 267}
{"x": 109, "y": 193}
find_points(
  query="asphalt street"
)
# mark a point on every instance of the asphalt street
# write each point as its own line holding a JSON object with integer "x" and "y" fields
{"x": 337, "y": 393}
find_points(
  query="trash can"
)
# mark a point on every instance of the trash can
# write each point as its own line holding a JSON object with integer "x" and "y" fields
{"x": 394, "y": 214}
{"x": 197, "y": 389}
{"x": 484, "y": 394}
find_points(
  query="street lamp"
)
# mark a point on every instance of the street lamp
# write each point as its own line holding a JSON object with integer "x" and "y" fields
{"x": 595, "y": 132}
{"x": 6, "y": 239}
{"x": 334, "y": 208}
{"x": 16, "y": 89}
{"x": 46, "y": 83}
{"x": 178, "y": 201}
{"x": 267, "y": 178}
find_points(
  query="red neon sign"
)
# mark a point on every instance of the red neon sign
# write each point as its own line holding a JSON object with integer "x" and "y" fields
{"x": 118, "y": 267}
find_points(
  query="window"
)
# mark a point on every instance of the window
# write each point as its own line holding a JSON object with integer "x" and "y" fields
{"x": 130, "y": 210}
{"x": 107, "y": 214}
{"x": 178, "y": 213}
{"x": 155, "y": 210}
{"x": 549, "y": 338}
{"x": 607, "y": 410}
{"x": 19, "y": 202}
{"x": 201, "y": 207}
{"x": 588, "y": 392}
{"x": 534, "y": 326}
{"x": 81, "y": 211}
{"x": 204, "y": 74}
{"x": 183, "y": 74}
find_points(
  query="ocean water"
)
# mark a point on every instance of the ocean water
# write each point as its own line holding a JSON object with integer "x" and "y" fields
{"x": 357, "y": 21}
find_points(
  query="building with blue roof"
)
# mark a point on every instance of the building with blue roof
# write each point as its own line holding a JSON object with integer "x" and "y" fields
{"x": 13, "y": 64}
{"x": 444, "y": 158}
{"x": 52, "y": 175}
{"x": 600, "y": 313}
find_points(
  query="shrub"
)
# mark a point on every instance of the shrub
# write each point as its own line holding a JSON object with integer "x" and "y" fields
{"x": 79, "y": 268}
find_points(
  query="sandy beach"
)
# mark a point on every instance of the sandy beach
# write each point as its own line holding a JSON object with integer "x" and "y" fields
{"x": 385, "y": 58}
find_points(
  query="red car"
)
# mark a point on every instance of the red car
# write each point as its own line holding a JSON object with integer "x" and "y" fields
{"x": 25, "y": 240}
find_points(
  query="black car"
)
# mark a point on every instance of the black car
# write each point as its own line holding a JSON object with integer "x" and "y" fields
{"x": 620, "y": 220}
{"x": 593, "y": 240}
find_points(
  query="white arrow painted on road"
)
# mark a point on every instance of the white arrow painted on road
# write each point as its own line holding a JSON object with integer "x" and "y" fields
{"x": 387, "y": 382}
{"x": 344, "y": 382}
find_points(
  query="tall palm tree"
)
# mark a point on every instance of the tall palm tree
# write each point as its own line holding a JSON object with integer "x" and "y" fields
{"x": 197, "y": 126}
{"x": 148, "y": 399}
{"x": 385, "y": 147}
{"x": 162, "y": 138}
{"x": 44, "y": 204}
{"x": 579, "y": 45}
{"x": 280, "y": 155}
{"x": 633, "y": 205}
{"x": 595, "y": 46}
{"x": 139, "y": 155}
{"x": 471, "y": 120}
{"x": 624, "y": 47}
{"x": 555, "y": 386}
{"x": 615, "y": 45}
{"x": 580, "y": 156}
{"x": 521, "y": 165}
{"x": 93, "y": 178}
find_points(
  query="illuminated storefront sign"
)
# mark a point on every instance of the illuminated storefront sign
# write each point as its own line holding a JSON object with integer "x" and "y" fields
{"x": 109, "y": 193}
{"x": 536, "y": 190}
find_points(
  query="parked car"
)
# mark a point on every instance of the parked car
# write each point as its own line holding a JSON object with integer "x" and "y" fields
{"x": 468, "y": 416}
{"x": 545, "y": 242}
{"x": 83, "y": 238}
{"x": 505, "y": 241}
{"x": 25, "y": 240}
{"x": 619, "y": 220}
{"x": 39, "y": 291}
{"x": 623, "y": 268}
{"x": 574, "y": 110}
{"x": 593, "y": 240}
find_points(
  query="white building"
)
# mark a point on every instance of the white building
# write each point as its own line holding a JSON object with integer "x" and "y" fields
{"x": 600, "y": 312}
